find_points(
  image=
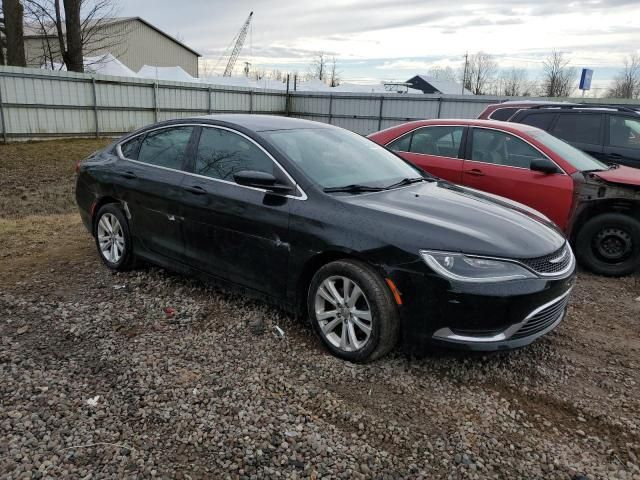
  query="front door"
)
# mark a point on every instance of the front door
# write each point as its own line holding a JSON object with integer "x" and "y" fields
{"x": 498, "y": 163}
{"x": 623, "y": 140}
{"x": 235, "y": 232}
{"x": 583, "y": 130}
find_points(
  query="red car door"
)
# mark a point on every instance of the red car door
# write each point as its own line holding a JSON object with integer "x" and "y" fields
{"x": 436, "y": 149}
{"x": 498, "y": 162}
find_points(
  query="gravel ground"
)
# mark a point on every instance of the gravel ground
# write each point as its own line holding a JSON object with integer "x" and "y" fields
{"x": 149, "y": 373}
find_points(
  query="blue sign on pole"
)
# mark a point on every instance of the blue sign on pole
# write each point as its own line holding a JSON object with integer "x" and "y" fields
{"x": 585, "y": 79}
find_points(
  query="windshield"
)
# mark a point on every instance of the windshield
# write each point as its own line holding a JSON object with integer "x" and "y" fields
{"x": 333, "y": 157}
{"x": 575, "y": 157}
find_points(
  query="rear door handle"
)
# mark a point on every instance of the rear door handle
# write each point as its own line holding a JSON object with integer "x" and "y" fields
{"x": 129, "y": 175}
{"x": 476, "y": 172}
{"x": 196, "y": 190}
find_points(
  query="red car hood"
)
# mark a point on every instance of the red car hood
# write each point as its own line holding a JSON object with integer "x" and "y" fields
{"x": 622, "y": 174}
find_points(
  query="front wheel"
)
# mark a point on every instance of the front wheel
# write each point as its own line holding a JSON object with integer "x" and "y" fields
{"x": 352, "y": 311}
{"x": 609, "y": 244}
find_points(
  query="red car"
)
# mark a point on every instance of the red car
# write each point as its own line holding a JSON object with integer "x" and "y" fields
{"x": 595, "y": 204}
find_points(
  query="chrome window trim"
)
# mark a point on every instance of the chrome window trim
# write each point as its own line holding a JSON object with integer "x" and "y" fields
{"x": 426, "y": 154}
{"x": 297, "y": 187}
{"x": 447, "y": 334}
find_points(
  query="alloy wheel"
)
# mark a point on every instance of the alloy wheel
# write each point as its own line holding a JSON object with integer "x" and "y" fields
{"x": 110, "y": 238}
{"x": 343, "y": 313}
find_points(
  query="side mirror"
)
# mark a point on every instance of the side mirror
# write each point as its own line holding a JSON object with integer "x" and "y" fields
{"x": 543, "y": 165}
{"x": 253, "y": 178}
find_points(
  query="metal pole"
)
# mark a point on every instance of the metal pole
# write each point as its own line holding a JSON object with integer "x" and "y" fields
{"x": 286, "y": 104}
{"x": 251, "y": 102}
{"x": 464, "y": 75}
{"x": 4, "y": 122}
{"x": 331, "y": 108}
{"x": 155, "y": 102}
{"x": 380, "y": 113}
{"x": 439, "y": 106}
{"x": 95, "y": 106}
{"x": 209, "y": 100}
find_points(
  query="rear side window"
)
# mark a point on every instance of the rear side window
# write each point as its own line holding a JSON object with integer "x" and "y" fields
{"x": 130, "y": 148}
{"x": 503, "y": 114}
{"x": 540, "y": 120}
{"x": 500, "y": 148}
{"x": 165, "y": 148}
{"x": 222, "y": 153}
{"x": 624, "y": 132}
{"x": 401, "y": 144}
{"x": 579, "y": 128}
{"x": 442, "y": 141}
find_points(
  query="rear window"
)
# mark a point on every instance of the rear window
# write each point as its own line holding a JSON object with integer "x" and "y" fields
{"x": 503, "y": 114}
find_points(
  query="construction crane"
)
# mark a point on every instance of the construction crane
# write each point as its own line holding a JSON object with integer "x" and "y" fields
{"x": 237, "y": 47}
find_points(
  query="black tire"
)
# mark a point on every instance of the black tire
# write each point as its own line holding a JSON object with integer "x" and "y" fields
{"x": 384, "y": 315}
{"x": 126, "y": 260}
{"x": 609, "y": 244}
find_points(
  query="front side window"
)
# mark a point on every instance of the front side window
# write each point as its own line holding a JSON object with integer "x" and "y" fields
{"x": 540, "y": 120}
{"x": 222, "y": 153}
{"x": 166, "y": 147}
{"x": 624, "y": 132}
{"x": 500, "y": 148}
{"x": 332, "y": 157}
{"x": 579, "y": 128}
{"x": 442, "y": 141}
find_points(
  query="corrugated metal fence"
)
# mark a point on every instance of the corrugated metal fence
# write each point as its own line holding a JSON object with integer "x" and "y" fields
{"x": 39, "y": 103}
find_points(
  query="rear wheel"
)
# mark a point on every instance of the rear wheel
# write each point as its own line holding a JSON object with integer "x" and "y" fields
{"x": 113, "y": 238}
{"x": 609, "y": 244}
{"x": 352, "y": 311}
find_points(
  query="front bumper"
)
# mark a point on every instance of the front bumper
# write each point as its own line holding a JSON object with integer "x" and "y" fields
{"x": 483, "y": 317}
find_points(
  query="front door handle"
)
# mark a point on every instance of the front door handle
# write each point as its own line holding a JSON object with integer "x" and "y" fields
{"x": 129, "y": 175}
{"x": 615, "y": 155}
{"x": 476, "y": 172}
{"x": 196, "y": 190}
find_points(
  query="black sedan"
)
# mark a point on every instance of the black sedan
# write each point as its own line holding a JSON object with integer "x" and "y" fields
{"x": 321, "y": 220}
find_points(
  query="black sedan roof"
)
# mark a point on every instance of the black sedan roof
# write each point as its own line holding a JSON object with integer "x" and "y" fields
{"x": 261, "y": 123}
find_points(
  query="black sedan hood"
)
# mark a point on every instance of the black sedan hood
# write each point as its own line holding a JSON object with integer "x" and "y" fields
{"x": 443, "y": 216}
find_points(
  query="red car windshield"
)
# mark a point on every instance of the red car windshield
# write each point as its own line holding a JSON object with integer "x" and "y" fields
{"x": 580, "y": 160}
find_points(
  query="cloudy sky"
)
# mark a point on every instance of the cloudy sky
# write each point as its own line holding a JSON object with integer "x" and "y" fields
{"x": 376, "y": 40}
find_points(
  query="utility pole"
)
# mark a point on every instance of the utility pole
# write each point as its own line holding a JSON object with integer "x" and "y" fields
{"x": 464, "y": 75}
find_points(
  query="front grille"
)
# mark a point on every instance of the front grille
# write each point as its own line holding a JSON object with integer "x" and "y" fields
{"x": 550, "y": 264}
{"x": 543, "y": 319}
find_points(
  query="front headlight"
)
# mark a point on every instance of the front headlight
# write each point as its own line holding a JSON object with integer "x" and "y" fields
{"x": 463, "y": 268}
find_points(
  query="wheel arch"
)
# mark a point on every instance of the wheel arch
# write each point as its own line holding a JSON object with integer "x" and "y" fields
{"x": 625, "y": 206}
{"x": 101, "y": 202}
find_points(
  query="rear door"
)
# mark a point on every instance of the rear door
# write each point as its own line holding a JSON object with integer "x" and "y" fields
{"x": 498, "y": 162}
{"x": 150, "y": 176}
{"x": 622, "y": 140}
{"x": 232, "y": 231}
{"x": 583, "y": 130}
{"x": 436, "y": 149}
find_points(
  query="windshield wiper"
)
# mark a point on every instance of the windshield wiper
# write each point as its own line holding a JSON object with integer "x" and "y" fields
{"x": 406, "y": 181}
{"x": 353, "y": 188}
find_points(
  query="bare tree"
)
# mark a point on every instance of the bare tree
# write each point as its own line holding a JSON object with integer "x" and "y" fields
{"x": 626, "y": 84}
{"x": 442, "y": 73}
{"x": 479, "y": 71}
{"x": 318, "y": 67}
{"x": 98, "y": 32}
{"x": 559, "y": 77}
{"x": 3, "y": 43}
{"x": 334, "y": 74}
{"x": 514, "y": 83}
{"x": 13, "y": 29}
